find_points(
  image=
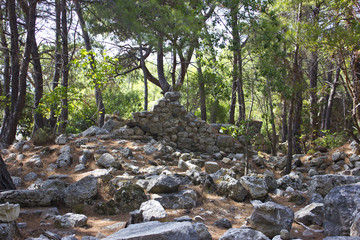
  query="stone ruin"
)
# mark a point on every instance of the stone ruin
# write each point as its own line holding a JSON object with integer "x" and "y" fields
{"x": 170, "y": 122}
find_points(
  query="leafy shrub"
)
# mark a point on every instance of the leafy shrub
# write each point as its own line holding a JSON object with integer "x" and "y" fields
{"x": 331, "y": 140}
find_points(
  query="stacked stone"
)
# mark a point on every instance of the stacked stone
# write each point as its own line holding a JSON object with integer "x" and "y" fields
{"x": 169, "y": 121}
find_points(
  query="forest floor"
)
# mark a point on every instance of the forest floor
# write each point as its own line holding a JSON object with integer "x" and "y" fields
{"x": 211, "y": 208}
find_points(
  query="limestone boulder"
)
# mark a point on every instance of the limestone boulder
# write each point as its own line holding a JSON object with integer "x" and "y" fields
{"x": 153, "y": 211}
{"x": 106, "y": 160}
{"x": 243, "y": 234}
{"x": 185, "y": 199}
{"x": 232, "y": 188}
{"x": 129, "y": 197}
{"x": 164, "y": 184}
{"x": 340, "y": 205}
{"x": 156, "y": 230}
{"x": 70, "y": 220}
{"x": 270, "y": 218}
{"x": 83, "y": 190}
{"x": 30, "y": 198}
{"x": 290, "y": 180}
{"x": 322, "y": 184}
{"x": 311, "y": 214}
{"x": 202, "y": 231}
{"x": 64, "y": 158}
{"x": 256, "y": 187}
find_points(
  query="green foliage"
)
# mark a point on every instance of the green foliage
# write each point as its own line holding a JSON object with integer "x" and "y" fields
{"x": 331, "y": 140}
{"x": 43, "y": 136}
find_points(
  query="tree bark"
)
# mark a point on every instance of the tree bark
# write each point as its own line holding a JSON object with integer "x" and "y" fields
{"x": 98, "y": 92}
{"x": 313, "y": 72}
{"x": 65, "y": 70}
{"x": 165, "y": 87}
{"x": 284, "y": 115}
{"x": 330, "y": 101}
{"x": 6, "y": 182}
{"x": 202, "y": 93}
{"x": 5, "y": 91}
{"x": 57, "y": 60}
{"x": 18, "y": 73}
{"x": 143, "y": 67}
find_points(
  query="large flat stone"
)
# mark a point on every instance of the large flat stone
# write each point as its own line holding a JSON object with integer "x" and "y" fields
{"x": 156, "y": 231}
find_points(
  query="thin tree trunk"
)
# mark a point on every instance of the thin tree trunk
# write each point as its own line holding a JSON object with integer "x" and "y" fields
{"x": 290, "y": 138}
{"x": 6, "y": 53}
{"x": 313, "y": 72}
{"x": 57, "y": 59}
{"x": 355, "y": 67}
{"x": 65, "y": 70}
{"x": 202, "y": 93}
{"x": 272, "y": 121}
{"x": 240, "y": 90}
{"x": 331, "y": 100}
{"x": 165, "y": 87}
{"x": 325, "y": 108}
{"x": 143, "y": 67}
{"x": 284, "y": 115}
{"x": 98, "y": 94}
{"x": 19, "y": 73}
{"x": 233, "y": 101}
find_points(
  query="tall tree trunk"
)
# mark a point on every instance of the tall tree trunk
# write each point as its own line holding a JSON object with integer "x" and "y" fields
{"x": 298, "y": 88}
{"x": 235, "y": 46}
{"x": 233, "y": 101}
{"x": 5, "y": 92}
{"x": 143, "y": 67}
{"x": 313, "y": 72}
{"x": 240, "y": 90}
{"x": 98, "y": 93}
{"x": 284, "y": 115}
{"x": 330, "y": 101}
{"x": 65, "y": 70}
{"x": 18, "y": 73}
{"x": 6, "y": 182}
{"x": 290, "y": 138}
{"x": 165, "y": 87}
{"x": 325, "y": 107}
{"x": 57, "y": 60}
{"x": 202, "y": 93}
{"x": 355, "y": 67}
{"x": 272, "y": 121}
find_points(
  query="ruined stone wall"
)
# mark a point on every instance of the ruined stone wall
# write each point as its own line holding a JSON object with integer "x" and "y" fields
{"x": 169, "y": 121}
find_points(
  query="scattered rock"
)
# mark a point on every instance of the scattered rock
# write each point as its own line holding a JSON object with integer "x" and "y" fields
{"x": 156, "y": 230}
{"x": 223, "y": 223}
{"x": 256, "y": 186}
{"x": 312, "y": 214}
{"x": 243, "y": 234}
{"x": 164, "y": 184}
{"x": 153, "y": 211}
{"x": 106, "y": 160}
{"x": 70, "y": 220}
{"x": 80, "y": 191}
{"x": 232, "y": 188}
{"x": 322, "y": 184}
{"x": 64, "y": 158}
{"x": 202, "y": 231}
{"x": 340, "y": 204}
{"x": 185, "y": 199}
{"x": 270, "y": 218}
{"x": 129, "y": 197}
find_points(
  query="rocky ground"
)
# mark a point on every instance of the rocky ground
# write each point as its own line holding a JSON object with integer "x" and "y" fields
{"x": 95, "y": 185}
